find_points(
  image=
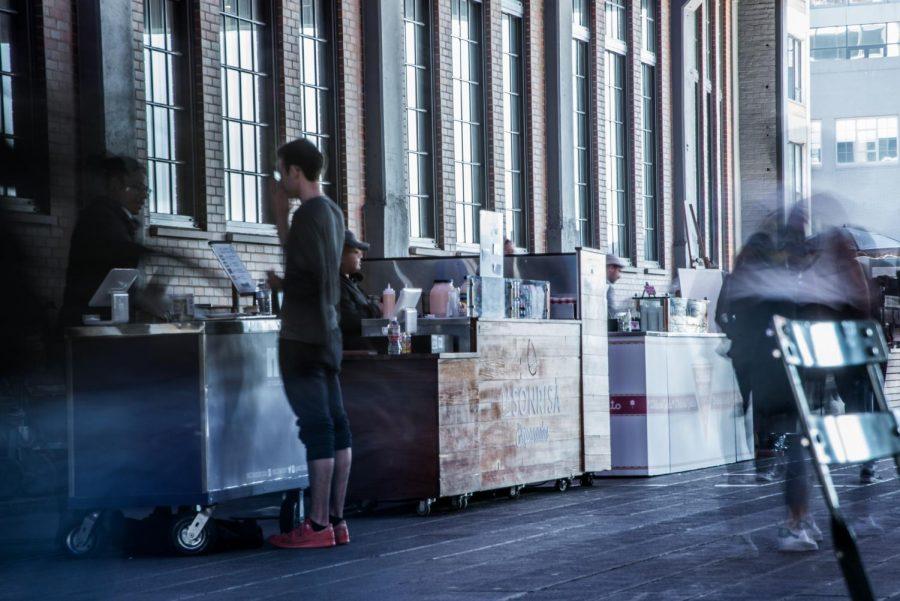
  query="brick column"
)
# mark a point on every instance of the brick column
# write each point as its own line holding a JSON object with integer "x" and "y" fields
{"x": 351, "y": 153}
{"x": 444, "y": 182}
{"x": 535, "y": 125}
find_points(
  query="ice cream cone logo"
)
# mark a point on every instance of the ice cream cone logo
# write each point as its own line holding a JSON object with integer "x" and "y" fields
{"x": 703, "y": 393}
{"x": 531, "y": 358}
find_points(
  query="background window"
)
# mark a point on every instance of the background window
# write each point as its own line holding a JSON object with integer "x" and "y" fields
{"x": 246, "y": 108}
{"x": 648, "y": 25}
{"x": 795, "y": 172}
{"x": 16, "y": 125}
{"x": 795, "y": 69}
{"x": 866, "y": 140}
{"x": 468, "y": 111}
{"x": 581, "y": 102}
{"x": 815, "y": 142}
{"x": 417, "y": 68}
{"x": 615, "y": 20}
{"x": 317, "y": 85}
{"x": 871, "y": 40}
{"x": 167, "y": 107}
{"x": 513, "y": 131}
{"x": 616, "y": 166}
{"x": 648, "y": 129}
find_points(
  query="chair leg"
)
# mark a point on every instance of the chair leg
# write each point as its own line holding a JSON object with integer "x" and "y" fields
{"x": 847, "y": 553}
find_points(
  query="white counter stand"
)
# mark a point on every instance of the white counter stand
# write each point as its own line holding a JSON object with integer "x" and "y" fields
{"x": 674, "y": 405}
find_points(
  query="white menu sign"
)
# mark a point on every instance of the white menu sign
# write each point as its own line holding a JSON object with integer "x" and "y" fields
{"x": 234, "y": 267}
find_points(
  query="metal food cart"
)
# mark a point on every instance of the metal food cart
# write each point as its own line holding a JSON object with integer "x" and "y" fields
{"x": 177, "y": 415}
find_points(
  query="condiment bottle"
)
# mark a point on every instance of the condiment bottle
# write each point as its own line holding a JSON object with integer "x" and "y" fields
{"x": 395, "y": 342}
{"x": 388, "y": 301}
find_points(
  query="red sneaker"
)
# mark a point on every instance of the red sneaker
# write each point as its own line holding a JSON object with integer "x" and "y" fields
{"x": 304, "y": 537}
{"x": 342, "y": 533}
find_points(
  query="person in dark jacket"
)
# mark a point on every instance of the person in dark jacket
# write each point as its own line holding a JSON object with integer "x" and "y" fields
{"x": 105, "y": 235}
{"x": 355, "y": 305}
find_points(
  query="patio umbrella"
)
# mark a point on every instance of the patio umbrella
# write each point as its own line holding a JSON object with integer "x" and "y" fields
{"x": 866, "y": 240}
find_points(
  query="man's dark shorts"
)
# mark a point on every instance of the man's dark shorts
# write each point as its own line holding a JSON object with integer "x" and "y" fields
{"x": 314, "y": 392}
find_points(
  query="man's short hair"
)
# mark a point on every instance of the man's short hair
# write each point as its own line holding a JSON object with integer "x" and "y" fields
{"x": 306, "y": 156}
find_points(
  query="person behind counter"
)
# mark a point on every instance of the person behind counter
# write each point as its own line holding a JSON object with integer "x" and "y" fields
{"x": 309, "y": 349}
{"x": 355, "y": 306}
{"x": 105, "y": 235}
{"x": 614, "y": 266}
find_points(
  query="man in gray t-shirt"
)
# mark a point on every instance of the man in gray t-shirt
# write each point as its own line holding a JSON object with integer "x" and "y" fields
{"x": 309, "y": 351}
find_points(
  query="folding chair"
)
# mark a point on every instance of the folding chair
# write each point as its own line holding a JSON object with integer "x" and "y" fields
{"x": 840, "y": 439}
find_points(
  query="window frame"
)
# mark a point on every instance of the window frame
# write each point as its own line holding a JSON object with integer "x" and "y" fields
{"x": 585, "y": 213}
{"x": 32, "y": 143}
{"x": 616, "y": 56}
{"x": 269, "y": 123}
{"x": 432, "y": 205}
{"x": 651, "y": 167}
{"x": 815, "y": 143}
{"x": 330, "y": 179}
{"x": 517, "y": 215}
{"x": 186, "y": 211}
{"x": 794, "y": 69}
{"x": 479, "y": 184}
{"x": 855, "y": 150}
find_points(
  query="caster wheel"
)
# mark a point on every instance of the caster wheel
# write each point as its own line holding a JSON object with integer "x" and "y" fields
{"x": 182, "y": 540}
{"x": 290, "y": 515}
{"x": 424, "y": 508}
{"x": 79, "y": 533}
{"x": 587, "y": 479}
{"x": 515, "y": 492}
{"x": 562, "y": 485}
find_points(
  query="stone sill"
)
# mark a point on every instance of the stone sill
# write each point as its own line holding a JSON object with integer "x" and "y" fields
{"x": 190, "y": 233}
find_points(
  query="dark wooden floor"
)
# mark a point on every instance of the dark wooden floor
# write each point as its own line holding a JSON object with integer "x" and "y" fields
{"x": 708, "y": 534}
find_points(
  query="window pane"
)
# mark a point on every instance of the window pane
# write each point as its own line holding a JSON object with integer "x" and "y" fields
{"x": 317, "y": 83}
{"x": 247, "y": 92}
{"x": 513, "y": 100}
{"x": 467, "y": 111}
{"x": 584, "y": 214}
{"x": 648, "y": 124}
{"x": 617, "y": 207}
{"x": 168, "y": 129}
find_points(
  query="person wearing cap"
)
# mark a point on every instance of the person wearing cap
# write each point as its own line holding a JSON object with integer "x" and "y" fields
{"x": 614, "y": 266}
{"x": 355, "y": 305}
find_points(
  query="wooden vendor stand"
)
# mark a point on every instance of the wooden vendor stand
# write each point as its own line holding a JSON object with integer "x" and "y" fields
{"x": 433, "y": 426}
{"x": 518, "y": 409}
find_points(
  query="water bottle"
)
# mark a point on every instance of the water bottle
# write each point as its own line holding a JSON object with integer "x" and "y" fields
{"x": 395, "y": 342}
{"x": 263, "y": 298}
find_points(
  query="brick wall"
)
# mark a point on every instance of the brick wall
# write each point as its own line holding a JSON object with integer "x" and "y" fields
{"x": 47, "y": 236}
{"x": 536, "y": 125}
{"x": 758, "y": 127}
{"x": 44, "y": 238}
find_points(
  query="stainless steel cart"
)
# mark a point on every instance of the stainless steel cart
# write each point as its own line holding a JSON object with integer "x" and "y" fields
{"x": 177, "y": 415}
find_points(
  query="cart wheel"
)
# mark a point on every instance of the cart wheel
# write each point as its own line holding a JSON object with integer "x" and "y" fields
{"x": 460, "y": 502}
{"x": 424, "y": 507}
{"x": 515, "y": 492}
{"x": 562, "y": 485}
{"x": 587, "y": 479}
{"x": 180, "y": 536}
{"x": 290, "y": 514}
{"x": 80, "y": 533}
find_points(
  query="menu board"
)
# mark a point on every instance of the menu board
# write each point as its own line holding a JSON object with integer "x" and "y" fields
{"x": 234, "y": 267}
